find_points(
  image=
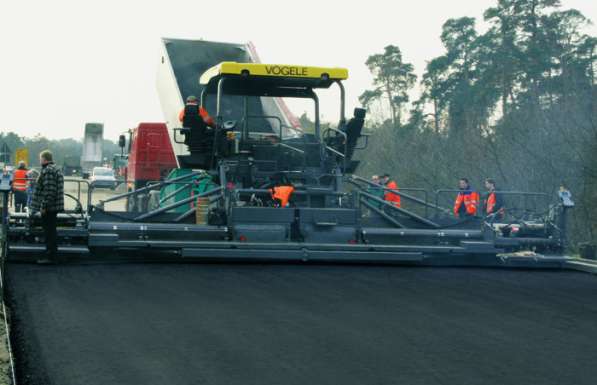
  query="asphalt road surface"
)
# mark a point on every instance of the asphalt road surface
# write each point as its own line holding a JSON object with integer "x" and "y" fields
{"x": 289, "y": 324}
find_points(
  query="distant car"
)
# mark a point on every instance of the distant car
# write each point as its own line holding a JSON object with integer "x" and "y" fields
{"x": 102, "y": 177}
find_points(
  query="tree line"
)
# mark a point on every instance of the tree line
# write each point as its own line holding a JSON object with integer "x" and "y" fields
{"x": 64, "y": 150}
{"x": 516, "y": 103}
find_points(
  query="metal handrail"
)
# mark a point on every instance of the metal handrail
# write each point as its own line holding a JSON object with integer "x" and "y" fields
{"x": 174, "y": 205}
{"x": 364, "y": 146}
{"x": 335, "y": 151}
{"x": 302, "y": 152}
{"x": 149, "y": 187}
{"x": 326, "y": 134}
{"x": 193, "y": 209}
{"x": 401, "y": 210}
{"x": 73, "y": 180}
{"x": 173, "y": 193}
{"x": 398, "y": 192}
{"x": 511, "y": 193}
{"x": 370, "y": 206}
{"x": 295, "y": 192}
{"x": 89, "y": 190}
{"x": 175, "y": 137}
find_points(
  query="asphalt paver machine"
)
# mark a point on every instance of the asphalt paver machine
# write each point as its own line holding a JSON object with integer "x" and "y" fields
{"x": 222, "y": 205}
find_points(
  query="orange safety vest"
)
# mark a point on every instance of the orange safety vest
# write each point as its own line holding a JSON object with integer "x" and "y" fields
{"x": 490, "y": 204}
{"x": 19, "y": 183}
{"x": 282, "y": 194}
{"x": 390, "y": 196}
{"x": 470, "y": 199}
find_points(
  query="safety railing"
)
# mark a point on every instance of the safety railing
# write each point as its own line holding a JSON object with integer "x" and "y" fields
{"x": 83, "y": 187}
{"x": 405, "y": 193}
{"x": 364, "y": 143}
{"x": 80, "y": 195}
{"x": 519, "y": 205}
{"x": 370, "y": 198}
{"x": 151, "y": 186}
{"x": 256, "y": 194}
{"x": 170, "y": 203}
{"x": 193, "y": 198}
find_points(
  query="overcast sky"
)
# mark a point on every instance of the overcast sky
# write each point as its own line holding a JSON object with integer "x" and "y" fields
{"x": 65, "y": 63}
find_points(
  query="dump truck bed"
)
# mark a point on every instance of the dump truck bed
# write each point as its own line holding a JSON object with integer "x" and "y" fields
{"x": 301, "y": 324}
{"x": 181, "y": 64}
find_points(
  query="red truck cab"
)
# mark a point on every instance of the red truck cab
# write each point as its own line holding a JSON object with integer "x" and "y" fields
{"x": 150, "y": 155}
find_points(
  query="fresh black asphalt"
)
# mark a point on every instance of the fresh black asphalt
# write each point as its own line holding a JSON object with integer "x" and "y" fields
{"x": 301, "y": 324}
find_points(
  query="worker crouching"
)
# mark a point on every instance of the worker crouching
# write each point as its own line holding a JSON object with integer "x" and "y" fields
{"x": 281, "y": 195}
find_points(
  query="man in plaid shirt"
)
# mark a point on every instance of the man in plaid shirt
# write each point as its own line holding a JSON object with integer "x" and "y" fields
{"x": 48, "y": 198}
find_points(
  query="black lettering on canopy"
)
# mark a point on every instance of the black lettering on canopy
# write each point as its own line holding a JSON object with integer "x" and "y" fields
{"x": 286, "y": 70}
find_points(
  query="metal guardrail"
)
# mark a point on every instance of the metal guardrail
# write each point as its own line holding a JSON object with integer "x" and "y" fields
{"x": 79, "y": 182}
{"x": 295, "y": 192}
{"x": 173, "y": 193}
{"x": 522, "y": 194}
{"x": 436, "y": 205}
{"x": 400, "y": 193}
{"x": 79, "y": 193}
{"x": 400, "y": 210}
{"x": 152, "y": 186}
{"x": 422, "y": 191}
{"x": 192, "y": 210}
{"x": 377, "y": 210}
{"x": 174, "y": 205}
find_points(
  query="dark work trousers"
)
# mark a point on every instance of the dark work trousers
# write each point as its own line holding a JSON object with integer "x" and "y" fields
{"x": 20, "y": 200}
{"x": 48, "y": 221}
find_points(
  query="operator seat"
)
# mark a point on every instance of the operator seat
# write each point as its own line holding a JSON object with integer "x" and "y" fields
{"x": 353, "y": 130}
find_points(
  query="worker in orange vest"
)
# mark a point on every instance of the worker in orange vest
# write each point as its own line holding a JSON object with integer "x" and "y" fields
{"x": 494, "y": 203}
{"x": 282, "y": 194}
{"x": 280, "y": 189}
{"x": 467, "y": 200}
{"x": 389, "y": 196}
{"x": 19, "y": 187}
{"x": 195, "y": 116}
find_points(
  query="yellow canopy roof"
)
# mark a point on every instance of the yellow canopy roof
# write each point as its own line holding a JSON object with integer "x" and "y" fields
{"x": 282, "y": 71}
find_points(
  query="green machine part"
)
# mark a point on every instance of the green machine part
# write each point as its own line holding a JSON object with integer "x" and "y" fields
{"x": 175, "y": 192}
